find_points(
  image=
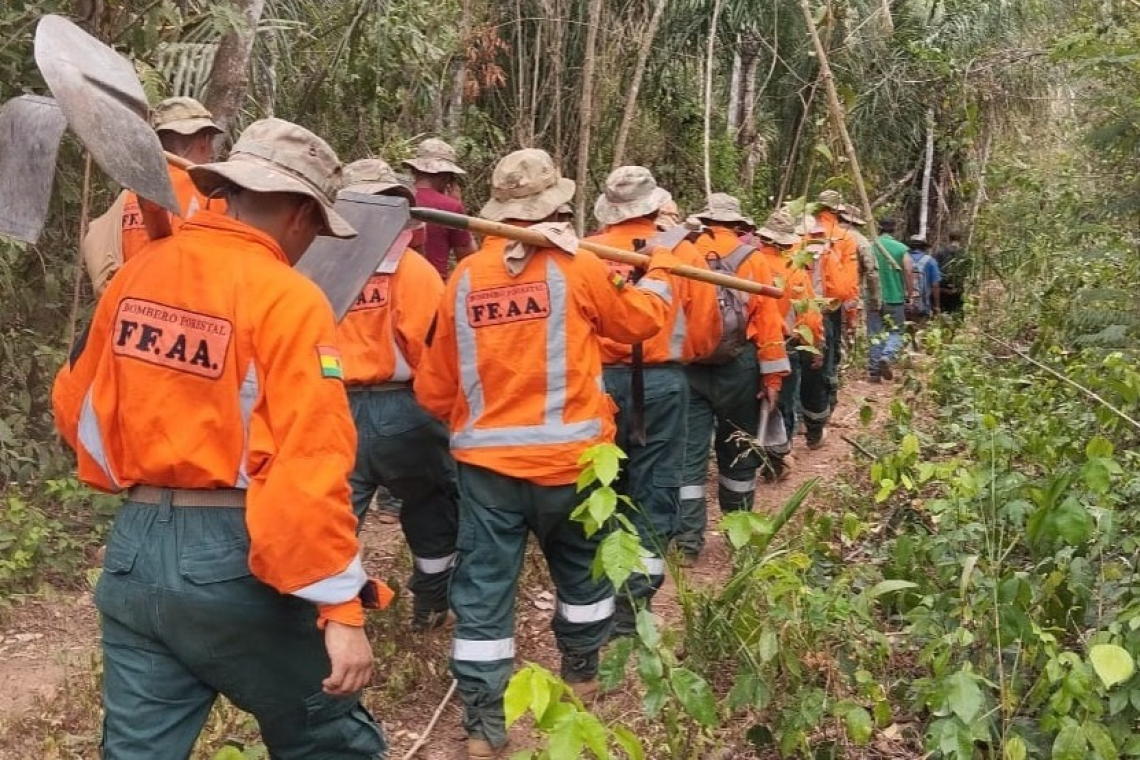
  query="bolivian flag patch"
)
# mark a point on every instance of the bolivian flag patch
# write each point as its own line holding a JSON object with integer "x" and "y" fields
{"x": 330, "y": 362}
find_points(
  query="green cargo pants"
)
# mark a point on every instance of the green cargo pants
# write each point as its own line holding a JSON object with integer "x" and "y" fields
{"x": 651, "y": 476}
{"x": 183, "y": 621}
{"x": 804, "y": 391}
{"x": 722, "y": 402}
{"x": 833, "y": 353}
{"x": 400, "y": 447}
{"x": 495, "y": 514}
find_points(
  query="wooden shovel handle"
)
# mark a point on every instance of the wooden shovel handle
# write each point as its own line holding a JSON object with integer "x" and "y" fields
{"x": 531, "y": 237}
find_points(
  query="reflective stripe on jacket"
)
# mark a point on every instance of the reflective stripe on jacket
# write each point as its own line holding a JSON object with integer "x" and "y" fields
{"x": 211, "y": 363}
{"x": 189, "y": 200}
{"x": 514, "y": 366}
{"x": 381, "y": 338}
{"x": 692, "y": 328}
{"x": 765, "y": 323}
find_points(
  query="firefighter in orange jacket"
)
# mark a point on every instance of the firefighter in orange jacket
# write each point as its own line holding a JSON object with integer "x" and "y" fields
{"x": 651, "y": 429}
{"x": 806, "y": 387}
{"x": 399, "y": 445}
{"x": 724, "y": 387}
{"x": 208, "y": 388}
{"x": 514, "y": 367}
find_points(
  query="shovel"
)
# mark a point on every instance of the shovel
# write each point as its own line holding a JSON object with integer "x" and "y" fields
{"x": 770, "y": 432}
{"x": 31, "y": 128}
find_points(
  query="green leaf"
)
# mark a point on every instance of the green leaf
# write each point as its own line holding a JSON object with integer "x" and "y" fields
{"x": 606, "y": 460}
{"x": 656, "y": 693}
{"x": 1099, "y": 448}
{"x": 738, "y": 527}
{"x": 629, "y": 742}
{"x": 647, "y": 629}
{"x": 859, "y": 725}
{"x": 229, "y": 752}
{"x": 601, "y": 504}
{"x": 1070, "y": 744}
{"x": 866, "y": 414}
{"x": 750, "y": 690}
{"x": 1014, "y": 749}
{"x": 1100, "y": 740}
{"x": 611, "y": 671}
{"x": 963, "y": 696}
{"x": 594, "y": 733}
{"x": 519, "y": 693}
{"x": 566, "y": 739}
{"x": 889, "y": 587}
{"x": 650, "y": 669}
{"x": 619, "y": 554}
{"x": 695, "y": 696}
{"x": 768, "y": 646}
{"x": 1112, "y": 663}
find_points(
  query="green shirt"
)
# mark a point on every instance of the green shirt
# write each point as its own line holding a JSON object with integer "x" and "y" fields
{"x": 891, "y": 277}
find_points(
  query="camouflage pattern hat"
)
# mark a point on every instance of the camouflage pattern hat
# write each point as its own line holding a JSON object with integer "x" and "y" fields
{"x": 434, "y": 156}
{"x": 780, "y": 228}
{"x": 850, "y": 214}
{"x": 723, "y": 207}
{"x": 668, "y": 216}
{"x": 185, "y": 116}
{"x": 631, "y": 191}
{"x": 526, "y": 185}
{"x": 277, "y": 156}
{"x": 372, "y": 176}
{"x": 809, "y": 225}
{"x": 831, "y": 199}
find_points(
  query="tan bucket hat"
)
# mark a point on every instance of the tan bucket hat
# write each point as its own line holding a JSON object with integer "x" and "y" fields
{"x": 185, "y": 116}
{"x": 809, "y": 225}
{"x": 831, "y": 199}
{"x": 372, "y": 176}
{"x": 723, "y": 207}
{"x": 849, "y": 213}
{"x": 434, "y": 156}
{"x": 277, "y": 156}
{"x": 526, "y": 185}
{"x": 631, "y": 191}
{"x": 780, "y": 228}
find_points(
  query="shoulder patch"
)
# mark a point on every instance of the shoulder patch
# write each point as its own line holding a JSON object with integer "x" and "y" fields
{"x": 329, "y": 359}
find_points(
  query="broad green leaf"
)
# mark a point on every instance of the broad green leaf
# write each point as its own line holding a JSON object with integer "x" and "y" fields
{"x": 650, "y": 669}
{"x": 909, "y": 445}
{"x": 647, "y": 629}
{"x": 738, "y": 527}
{"x": 518, "y": 696}
{"x": 1070, "y": 744}
{"x": 859, "y": 726}
{"x": 750, "y": 690}
{"x": 1112, "y": 663}
{"x": 889, "y": 587}
{"x": 1100, "y": 741}
{"x": 594, "y": 733}
{"x": 963, "y": 696}
{"x": 1014, "y": 749}
{"x": 611, "y": 671}
{"x": 655, "y": 695}
{"x": 768, "y": 646}
{"x": 602, "y": 503}
{"x": 694, "y": 694}
{"x": 619, "y": 554}
{"x": 566, "y": 740}
{"x": 629, "y": 742}
{"x": 229, "y": 752}
{"x": 1099, "y": 448}
{"x": 1096, "y": 476}
{"x": 1073, "y": 522}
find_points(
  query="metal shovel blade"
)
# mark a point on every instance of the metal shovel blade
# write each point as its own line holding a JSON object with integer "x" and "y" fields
{"x": 110, "y": 127}
{"x": 342, "y": 267}
{"x": 771, "y": 433}
{"x": 31, "y": 128}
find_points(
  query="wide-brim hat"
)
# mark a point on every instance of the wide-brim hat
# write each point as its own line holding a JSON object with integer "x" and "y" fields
{"x": 526, "y": 185}
{"x": 724, "y": 208}
{"x": 850, "y": 213}
{"x": 434, "y": 156}
{"x": 630, "y": 192}
{"x": 372, "y": 176}
{"x": 809, "y": 225}
{"x": 777, "y": 237}
{"x": 182, "y": 115}
{"x": 277, "y": 156}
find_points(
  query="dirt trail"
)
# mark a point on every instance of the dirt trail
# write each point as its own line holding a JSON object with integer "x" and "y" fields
{"x": 49, "y": 644}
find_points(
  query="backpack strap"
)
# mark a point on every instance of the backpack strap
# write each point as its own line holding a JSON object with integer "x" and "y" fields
{"x": 668, "y": 239}
{"x": 739, "y": 255}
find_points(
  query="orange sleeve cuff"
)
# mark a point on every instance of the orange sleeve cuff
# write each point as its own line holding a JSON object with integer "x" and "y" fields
{"x": 346, "y": 613}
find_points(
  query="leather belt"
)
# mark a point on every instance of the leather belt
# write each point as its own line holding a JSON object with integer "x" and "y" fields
{"x": 388, "y": 386}
{"x": 232, "y": 498}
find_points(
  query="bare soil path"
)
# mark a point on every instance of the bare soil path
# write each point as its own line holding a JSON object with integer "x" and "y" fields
{"x": 49, "y": 660}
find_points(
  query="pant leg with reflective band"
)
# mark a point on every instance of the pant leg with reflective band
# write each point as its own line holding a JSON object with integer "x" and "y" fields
{"x": 171, "y": 583}
{"x": 699, "y": 426}
{"x": 495, "y": 514}
{"x": 652, "y": 473}
{"x": 833, "y": 353}
{"x": 400, "y": 447}
{"x": 738, "y": 411}
{"x": 790, "y": 390}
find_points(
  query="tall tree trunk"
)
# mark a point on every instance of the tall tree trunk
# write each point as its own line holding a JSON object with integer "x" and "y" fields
{"x": 927, "y": 174}
{"x": 643, "y": 51}
{"x": 749, "y": 135}
{"x": 453, "y": 119}
{"x": 229, "y": 76}
{"x": 734, "y": 88}
{"x": 554, "y": 11}
{"x": 586, "y": 111}
{"x": 709, "y": 61}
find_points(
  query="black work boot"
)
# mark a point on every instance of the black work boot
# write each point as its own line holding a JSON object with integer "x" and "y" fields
{"x": 580, "y": 672}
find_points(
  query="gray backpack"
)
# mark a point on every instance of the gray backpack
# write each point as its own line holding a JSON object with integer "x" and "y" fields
{"x": 733, "y": 308}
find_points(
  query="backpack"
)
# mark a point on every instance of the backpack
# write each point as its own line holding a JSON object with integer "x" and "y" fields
{"x": 733, "y": 307}
{"x": 921, "y": 283}
{"x": 102, "y": 246}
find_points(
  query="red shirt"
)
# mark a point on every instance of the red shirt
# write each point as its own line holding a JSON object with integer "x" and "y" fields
{"x": 440, "y": 241}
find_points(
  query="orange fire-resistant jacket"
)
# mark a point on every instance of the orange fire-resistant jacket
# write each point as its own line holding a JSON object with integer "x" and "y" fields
{"x": 692, "y": 329}
{"x": 765, "y": 322}
{"x": 796, "y": 305}
{"x": 839, "y": 263}
{"x": 515, "y": 365}
{"x": 189, "y": 200}
{"x": 211, "y": 363}
{"x": 381, "y": 339}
